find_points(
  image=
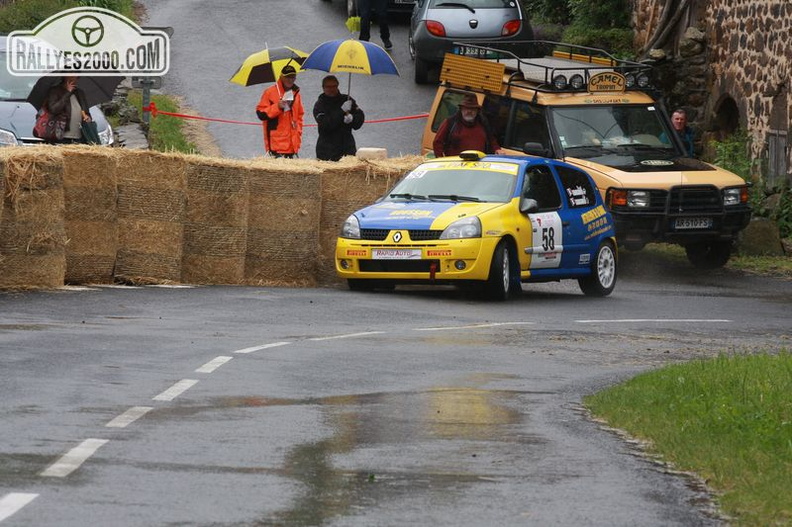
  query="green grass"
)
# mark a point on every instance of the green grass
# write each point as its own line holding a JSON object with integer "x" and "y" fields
{"x": 727, "y": 419}
{"x": 166, "y": 133}
{"x": 778, "y": 266}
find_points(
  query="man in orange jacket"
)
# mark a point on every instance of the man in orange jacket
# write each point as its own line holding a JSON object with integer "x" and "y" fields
{"x": 281, "y": 110}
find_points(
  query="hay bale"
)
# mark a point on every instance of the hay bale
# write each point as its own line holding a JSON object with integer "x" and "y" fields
{"x": 32, "y": 233}
{"x": 151, "y": 215}
{"x": 215, "y": 232}
{"x": 90, "y": 188}
{"x": 283, "y": 225}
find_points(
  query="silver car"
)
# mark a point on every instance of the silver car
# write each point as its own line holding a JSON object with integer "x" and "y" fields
{"x": 17, "y": 116}
{"x": 436, "y": 24}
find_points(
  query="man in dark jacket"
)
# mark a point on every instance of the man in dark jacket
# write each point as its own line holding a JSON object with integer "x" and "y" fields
{"x": 337, "y": 115}
{"x": 465, "y": 130}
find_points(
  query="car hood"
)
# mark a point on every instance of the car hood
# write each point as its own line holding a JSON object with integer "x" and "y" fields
{"x": 684, "y": 171}
{"x": 418, "y": 215}
{"x": 18, "y": 117}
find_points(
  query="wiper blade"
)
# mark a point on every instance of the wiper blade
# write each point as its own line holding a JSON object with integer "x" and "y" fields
{"x": 409, "y": 196}
{"x": 456, "y": 4}
{"x": 452, "y": 197}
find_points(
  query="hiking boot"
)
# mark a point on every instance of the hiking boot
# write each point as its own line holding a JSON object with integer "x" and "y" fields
{"x": 387, "y": 43}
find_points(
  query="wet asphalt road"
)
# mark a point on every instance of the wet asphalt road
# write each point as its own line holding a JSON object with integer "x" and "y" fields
{"x": 304, "y": 407}
{"x": 211, "y": 39}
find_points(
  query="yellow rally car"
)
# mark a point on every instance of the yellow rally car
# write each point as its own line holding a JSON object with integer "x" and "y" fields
{"x": 489, "y": 222}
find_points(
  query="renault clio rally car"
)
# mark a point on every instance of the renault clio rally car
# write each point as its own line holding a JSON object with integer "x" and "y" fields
{"x": 490, "y": 222}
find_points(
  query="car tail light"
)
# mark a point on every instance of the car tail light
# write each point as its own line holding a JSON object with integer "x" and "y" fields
{"x": 510, "y": 28}
{"x": 435, "y": 28}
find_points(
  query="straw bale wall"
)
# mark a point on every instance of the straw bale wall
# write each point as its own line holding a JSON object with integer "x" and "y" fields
{"x": 91, "y": 218}
{"x": 92, "y": 215}
{"x": 32, "y": 232}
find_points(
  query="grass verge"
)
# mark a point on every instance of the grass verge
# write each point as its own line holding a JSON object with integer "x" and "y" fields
{"x": 778, "y": 266}
{"x": 165, "y": 134}
{"x": 727, "y": 419}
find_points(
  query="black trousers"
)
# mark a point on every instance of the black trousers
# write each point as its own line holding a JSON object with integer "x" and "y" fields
{"x": 378, "y": 8}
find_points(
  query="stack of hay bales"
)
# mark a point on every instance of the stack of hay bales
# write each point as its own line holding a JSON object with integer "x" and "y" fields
{"x": 91, "y": 221}
{"x": 348, "y": 185}
{"x": 283, "y": 222}
{"x": 215, "y": 232}
{"x": 32, "y": 232}
{"x": 151, "y": 214}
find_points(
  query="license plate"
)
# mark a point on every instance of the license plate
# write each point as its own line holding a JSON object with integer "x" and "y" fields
{"x": 396, "y": 254}
{"x": 474, "y": 52}
{"x": 693, "y": 223}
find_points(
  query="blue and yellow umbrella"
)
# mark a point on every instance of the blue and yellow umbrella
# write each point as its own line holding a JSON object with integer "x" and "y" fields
{"x": 350, "y": 56}
{"x": 266, "y": 65}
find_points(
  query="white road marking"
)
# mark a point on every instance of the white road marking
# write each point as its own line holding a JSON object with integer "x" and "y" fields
{"x": 72, "y": 459}
{"x": 213, "y": 364}
{"x": 262, "y": 347}
{"x": 11, "y": 503}
{"x": 643, "y": 320}
{"x": 129, "y": 417}
{"x": 475, "y": 326}
{"x": 349, "y": 335}
{"x": 176, "y": 390}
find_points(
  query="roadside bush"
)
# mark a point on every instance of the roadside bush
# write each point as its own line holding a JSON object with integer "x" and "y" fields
{"x": 617, "y": 41}
{"x": 548, "y": 11}
{"x": 27, "y": 14}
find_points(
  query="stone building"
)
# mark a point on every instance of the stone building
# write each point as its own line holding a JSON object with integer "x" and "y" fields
{"x": 729, "y": 64}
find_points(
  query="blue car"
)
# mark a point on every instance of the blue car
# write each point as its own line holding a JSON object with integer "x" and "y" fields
{"x": 485, "y": 222}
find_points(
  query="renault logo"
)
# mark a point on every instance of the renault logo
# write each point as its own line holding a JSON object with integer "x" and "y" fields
{"x": 397, "y": 237}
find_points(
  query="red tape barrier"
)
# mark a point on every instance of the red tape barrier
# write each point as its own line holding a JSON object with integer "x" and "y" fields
{"x": 155, "y": 112}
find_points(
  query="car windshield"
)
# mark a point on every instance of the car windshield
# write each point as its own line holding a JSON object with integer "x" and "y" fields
{"x": 12, "y": 87}
{"x": 454, "y": 181}
{"x": 607, "y": 132}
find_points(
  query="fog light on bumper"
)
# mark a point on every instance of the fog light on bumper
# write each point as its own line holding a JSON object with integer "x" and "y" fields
{"x": 345, "y": 264}
{"x": 460, "y": 265}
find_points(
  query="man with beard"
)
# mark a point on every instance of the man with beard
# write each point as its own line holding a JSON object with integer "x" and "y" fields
{"x": 467, "y": 129}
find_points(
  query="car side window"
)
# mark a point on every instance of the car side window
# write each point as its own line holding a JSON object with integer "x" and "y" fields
{"x": 496, "y": 111}
{"x": 528, "y": 126}
{"x": 448, "y": 106}
{"x": 577, "y": 187}
{"x": 540, "y": 185}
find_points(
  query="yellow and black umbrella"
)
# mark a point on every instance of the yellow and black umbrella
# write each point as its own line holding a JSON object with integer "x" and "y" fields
{"x": 266, "y": 65}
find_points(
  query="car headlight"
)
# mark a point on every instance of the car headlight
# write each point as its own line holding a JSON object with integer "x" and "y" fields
{"x": 638, "y": 198}
{"x": 106, "y": 135}
{"x": 464, "y": 228}
{"x": 351, "y": 228}
{"x": 735, "y": 196}
{"x": 8, "y": 138}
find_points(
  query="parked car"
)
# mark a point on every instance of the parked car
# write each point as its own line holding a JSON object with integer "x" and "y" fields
{"x": 394, "y": 6}
{"x": 436, "y": 25}
{"x": 17, "y": 116}
{"x": 485, "y": 222}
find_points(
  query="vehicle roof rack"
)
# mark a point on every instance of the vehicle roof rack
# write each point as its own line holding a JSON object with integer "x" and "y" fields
{"x": 547, "y": 60}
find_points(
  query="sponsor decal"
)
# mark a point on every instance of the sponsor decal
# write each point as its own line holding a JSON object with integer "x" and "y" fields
{"x": 593, "y": 214}
{"x": 584, "y": 259}
{"x": 88, "y": 40}
{"x": 607, "y": 81}
{"x": 412, "y": 212}
{"x": 439, "y": 252}
{"x": 356, "y": 252}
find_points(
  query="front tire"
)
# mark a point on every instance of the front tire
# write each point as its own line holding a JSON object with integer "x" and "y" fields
{"x": 499, "y": 283}
{"x": 602, "y": 279}
{"x": 709, "y": 255}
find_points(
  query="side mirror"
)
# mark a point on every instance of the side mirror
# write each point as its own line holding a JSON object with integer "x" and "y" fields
{"x": 536, "y": 149}
{"x": 528, "y": 205}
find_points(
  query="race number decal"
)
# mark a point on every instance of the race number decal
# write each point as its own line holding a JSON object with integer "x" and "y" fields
{"x": 547, "y": 240}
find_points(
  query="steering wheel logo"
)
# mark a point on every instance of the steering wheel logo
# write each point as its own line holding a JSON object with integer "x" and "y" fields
{"x": 87, "y": 31}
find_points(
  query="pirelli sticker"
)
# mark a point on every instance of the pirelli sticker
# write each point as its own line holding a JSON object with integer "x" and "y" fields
{"x": 438, "y": 252}
{"x": 593, "y": 214}
{"x": 357, "y": 252}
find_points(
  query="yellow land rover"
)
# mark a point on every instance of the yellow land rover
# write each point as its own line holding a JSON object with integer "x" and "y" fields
{"x": 588, "y": 108}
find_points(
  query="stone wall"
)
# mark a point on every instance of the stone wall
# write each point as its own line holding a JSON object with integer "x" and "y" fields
{"x": 728, "y": 62}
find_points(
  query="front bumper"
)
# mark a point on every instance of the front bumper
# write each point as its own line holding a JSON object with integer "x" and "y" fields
{"x": 636, "y": 229}
{"x": 441, "y": 261}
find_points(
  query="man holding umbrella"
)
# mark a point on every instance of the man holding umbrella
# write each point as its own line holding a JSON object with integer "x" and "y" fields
{"x": 281, "y": 109}
{"x": 337, "y": 114}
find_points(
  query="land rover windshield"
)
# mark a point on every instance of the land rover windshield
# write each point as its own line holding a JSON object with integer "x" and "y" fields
{"x": 629, "y": 137}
